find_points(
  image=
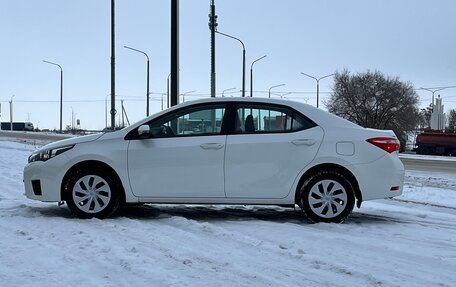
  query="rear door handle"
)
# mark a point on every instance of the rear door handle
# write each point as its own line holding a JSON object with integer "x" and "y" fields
{"x": 307, "y": 142}
{"x": 211, "y": 146}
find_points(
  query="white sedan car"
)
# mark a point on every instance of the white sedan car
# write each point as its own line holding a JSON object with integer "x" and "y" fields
{"x": 223, "y": 151}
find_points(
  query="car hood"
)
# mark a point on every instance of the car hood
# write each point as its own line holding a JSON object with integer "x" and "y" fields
{"x": 71, "y": 141}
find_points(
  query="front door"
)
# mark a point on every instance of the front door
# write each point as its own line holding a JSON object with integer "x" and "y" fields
{"x": 183, "y": 158}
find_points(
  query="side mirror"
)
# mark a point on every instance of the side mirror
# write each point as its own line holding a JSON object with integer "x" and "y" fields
{"x": 144, "y": 131}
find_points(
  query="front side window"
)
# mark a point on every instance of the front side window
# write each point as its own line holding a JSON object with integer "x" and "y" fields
{"x": 196, "y": 121}
{"x": 265, "y": 119}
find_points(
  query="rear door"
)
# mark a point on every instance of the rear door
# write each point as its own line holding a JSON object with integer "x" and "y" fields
{"x": 270, "y": 146}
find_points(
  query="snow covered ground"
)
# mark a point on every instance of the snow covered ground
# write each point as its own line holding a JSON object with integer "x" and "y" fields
{"x": 385, "y": 243}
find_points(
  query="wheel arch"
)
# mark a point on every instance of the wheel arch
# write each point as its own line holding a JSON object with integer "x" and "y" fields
{"x": 91, "y": 164}
{"x": 330, "y": 167}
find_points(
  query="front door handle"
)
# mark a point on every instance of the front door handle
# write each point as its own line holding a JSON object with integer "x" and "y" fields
{"x": 211, "y": 146}
{"x": 307, "y": 142}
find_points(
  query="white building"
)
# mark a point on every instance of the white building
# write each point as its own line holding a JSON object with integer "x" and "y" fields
{"x": 438, "y": 117}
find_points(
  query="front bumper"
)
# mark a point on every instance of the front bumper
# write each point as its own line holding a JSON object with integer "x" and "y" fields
{"x": 42, "y": 180}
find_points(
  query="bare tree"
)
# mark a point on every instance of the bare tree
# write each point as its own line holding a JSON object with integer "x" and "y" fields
{"x": 372, "y": 100}
{"x": 425, "y": 121}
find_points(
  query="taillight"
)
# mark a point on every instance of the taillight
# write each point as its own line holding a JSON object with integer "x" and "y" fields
{"x": 387, "y": 144}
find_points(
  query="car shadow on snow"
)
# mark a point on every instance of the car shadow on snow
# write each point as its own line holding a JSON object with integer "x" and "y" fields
{"x": 209, "y": 213}
{"x": 214, "y": 213}
{"x": 239, "y": 213}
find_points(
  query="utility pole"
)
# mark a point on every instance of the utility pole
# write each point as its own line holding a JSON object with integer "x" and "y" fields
{"x": 213, "y": 27}
{"x": 113, "y": 68}
{"x": 174, "y": 52}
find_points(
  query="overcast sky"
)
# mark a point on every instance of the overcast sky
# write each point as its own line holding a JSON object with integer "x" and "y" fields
{"x": 410, "y": 39}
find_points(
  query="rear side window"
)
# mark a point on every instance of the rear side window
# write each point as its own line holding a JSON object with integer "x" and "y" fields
{"x": 267, "y": 119}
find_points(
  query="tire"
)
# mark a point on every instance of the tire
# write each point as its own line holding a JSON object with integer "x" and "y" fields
{"x": 92, "y": 193}
{"x": 327, "y": 196}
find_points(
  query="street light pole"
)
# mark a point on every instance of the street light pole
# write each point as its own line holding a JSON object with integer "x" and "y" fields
{"x": 284, "y": 94}
{"x": 11, "y": 112}
{"x": 147, "y": 92}
{"x": 186, "y": 93}
{"x": 243, "y": 59}
{"x": 167, "y": 91}
{"x": 434, "y": 90}
{"x": 106, "y": 110}
{"x": 162, "y": 95}
{"x": 226, "y": 90}
{"x": 251, "y": 74}
{"x": 61, "y": 89}
{"x": 318, "y": 84}
{"x": 273, "y": 88}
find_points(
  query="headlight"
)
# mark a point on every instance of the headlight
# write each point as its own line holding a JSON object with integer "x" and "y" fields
{"x": 48, "y": 154}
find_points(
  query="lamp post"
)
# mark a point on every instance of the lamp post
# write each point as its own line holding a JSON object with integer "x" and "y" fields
{"x": 273, "y": 88}
{"x": 147, "y": 92}
{"x": 162, "y": 95}
{"x": 11, "y": 112}
{"x": 61, "y": 89}
{"x": 226, "y": 90}
{"x": 243, "y": 59}
{"x": 167, "y": 91}
{"x": 434, "y": 90}
{"x": 106, "y": 110}
{"x": 186, "y": 93}
{"x": 251, "y": 74}
{"x": 284, "y": 94}
{"x": 318, "y": 84}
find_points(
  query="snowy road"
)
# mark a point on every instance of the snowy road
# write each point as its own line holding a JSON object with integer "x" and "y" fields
{"x": 385, "y": 243}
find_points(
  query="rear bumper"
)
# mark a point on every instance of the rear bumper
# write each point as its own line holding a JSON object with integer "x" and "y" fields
{"x": 383, "y": 178}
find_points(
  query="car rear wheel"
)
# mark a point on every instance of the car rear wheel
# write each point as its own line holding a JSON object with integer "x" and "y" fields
{"x": 92, "y": 193}
{"x": 327, "y": 196}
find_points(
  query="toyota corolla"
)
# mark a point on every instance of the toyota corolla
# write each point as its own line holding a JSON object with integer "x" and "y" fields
{"x": 222, "y": 151}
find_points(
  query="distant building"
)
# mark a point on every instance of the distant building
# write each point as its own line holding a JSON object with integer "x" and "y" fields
{"x": 438, "y": 117}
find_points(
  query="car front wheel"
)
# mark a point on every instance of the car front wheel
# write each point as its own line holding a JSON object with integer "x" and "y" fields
{"x": 92, "y": 193}
{"x": 327, "y": 196}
